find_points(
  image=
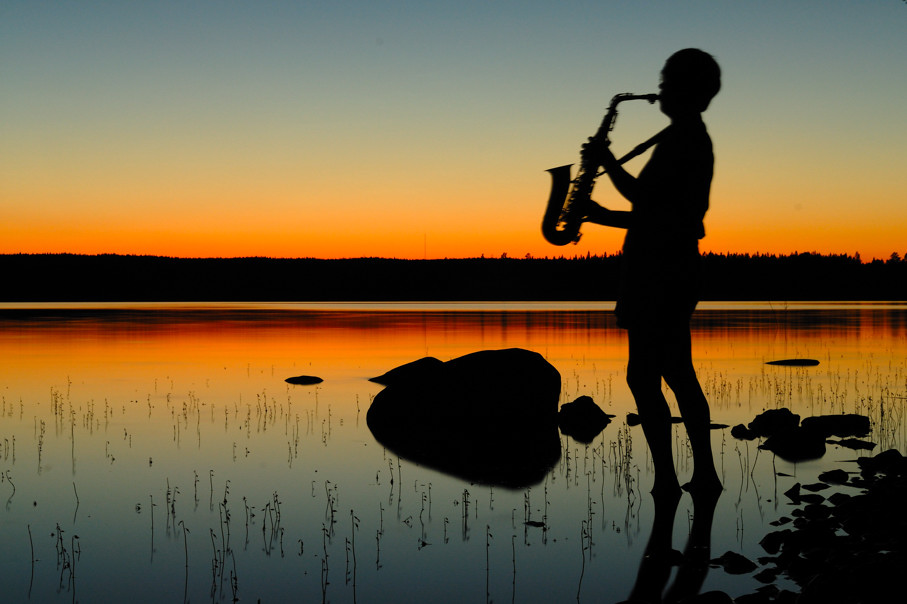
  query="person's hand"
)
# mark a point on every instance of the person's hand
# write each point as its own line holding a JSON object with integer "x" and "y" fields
{"x": 596, "y": 150}
{"x": 592, "y": 211}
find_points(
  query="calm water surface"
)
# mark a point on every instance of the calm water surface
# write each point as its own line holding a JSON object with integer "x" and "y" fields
{"x": 154, "y": 452}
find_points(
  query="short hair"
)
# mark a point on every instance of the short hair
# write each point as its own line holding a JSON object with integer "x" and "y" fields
{"x": 695, "y": 73}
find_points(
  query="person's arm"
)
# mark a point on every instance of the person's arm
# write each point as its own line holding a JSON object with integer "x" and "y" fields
{"x": 624, "y": 182}
{"x": 597, "y": 214}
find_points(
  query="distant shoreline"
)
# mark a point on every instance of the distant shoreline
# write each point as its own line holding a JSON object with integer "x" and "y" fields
{"x": 124, "y": 278}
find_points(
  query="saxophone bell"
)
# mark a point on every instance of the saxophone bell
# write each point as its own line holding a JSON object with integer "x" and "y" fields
{"x": 558, "y": 227}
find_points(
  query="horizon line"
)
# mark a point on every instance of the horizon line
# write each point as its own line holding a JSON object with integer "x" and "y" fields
{"x": 895, "y": 256}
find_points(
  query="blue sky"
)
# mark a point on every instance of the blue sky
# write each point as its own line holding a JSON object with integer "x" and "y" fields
{"x": 394, "y": 124}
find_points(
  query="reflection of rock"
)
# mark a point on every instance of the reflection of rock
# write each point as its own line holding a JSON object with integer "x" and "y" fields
{"x": 489, "y": 416}
{"x": 304, "y": 380}
{"x": 853, "y": 443}
{"x": 582, "y": 419}
{"x": 796, "y": 444}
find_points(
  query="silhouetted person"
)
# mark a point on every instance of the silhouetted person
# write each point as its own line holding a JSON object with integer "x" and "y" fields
{"x": 660, "y": 268}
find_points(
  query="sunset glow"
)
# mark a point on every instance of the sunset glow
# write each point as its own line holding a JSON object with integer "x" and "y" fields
{"x": 416, "y": 131}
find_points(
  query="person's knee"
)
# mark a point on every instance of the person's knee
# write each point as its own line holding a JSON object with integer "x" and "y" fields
{"x": 681, "y": 377}
{"x": 641, "y": 382}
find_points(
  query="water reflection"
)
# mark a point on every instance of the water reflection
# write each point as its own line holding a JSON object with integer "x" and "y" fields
{"x": 119, "y": 424}
{"x": 659, "y": 556}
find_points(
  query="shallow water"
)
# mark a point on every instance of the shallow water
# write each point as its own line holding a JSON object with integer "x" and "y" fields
{"x": 155, "y": 453}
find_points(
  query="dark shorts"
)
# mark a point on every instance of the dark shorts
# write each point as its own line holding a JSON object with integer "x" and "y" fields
{"x": 659, "y": 295}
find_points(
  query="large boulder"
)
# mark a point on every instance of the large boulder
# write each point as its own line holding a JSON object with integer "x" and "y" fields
{"x": 489, "y": 416}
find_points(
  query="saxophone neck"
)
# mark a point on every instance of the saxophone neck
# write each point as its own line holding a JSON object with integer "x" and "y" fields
{"x": 611, "y": 115}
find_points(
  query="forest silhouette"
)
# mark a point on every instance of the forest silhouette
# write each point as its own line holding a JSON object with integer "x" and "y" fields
{"x": 127, "y": 278}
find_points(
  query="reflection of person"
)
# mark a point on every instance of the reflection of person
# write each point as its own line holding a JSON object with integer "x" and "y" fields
{"x": 659, "y": 285}
{"x": 660, "y": 558}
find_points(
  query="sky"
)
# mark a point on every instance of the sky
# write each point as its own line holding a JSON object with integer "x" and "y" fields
{"x": 353, "y": 128}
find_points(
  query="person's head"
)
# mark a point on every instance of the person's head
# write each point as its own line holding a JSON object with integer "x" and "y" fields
{"x": 689, "y": 81}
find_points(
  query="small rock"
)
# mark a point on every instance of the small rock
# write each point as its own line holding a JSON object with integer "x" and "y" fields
{"x": 774, "y": 421}
{"x": 890, "y": 461}
{"x": 846, "y": 424}
{"x": 793, "y": 493}
{"x": 794, "y": 362}
{"x": 839, "y": 498}
{"x": 772, "y": 542}
{"x": 741, "y": 432}
{"x": 767, "y": 575}
{"x": 780, "y": 521}
{"x": 734, "y": 564}
{"x": 834, "y": 477}
{"x": 633, "y": 419}
{"x": 582, "y": 419}
{"x": 304, "y": 380}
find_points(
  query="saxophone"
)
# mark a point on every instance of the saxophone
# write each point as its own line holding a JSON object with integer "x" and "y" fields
{"x": 566, "y": 208}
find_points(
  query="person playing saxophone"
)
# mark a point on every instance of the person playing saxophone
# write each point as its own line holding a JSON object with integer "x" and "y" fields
{"x": 660, "y": 266}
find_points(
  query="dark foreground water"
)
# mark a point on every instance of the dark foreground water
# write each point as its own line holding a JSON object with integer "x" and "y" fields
{"x": 154, "y": 453}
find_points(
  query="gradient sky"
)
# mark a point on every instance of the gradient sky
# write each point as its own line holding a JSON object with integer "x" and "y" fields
{"x": 424, "y": 129}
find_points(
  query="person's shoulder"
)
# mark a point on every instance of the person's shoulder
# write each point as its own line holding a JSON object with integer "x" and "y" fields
{"x": 688, "y": 137}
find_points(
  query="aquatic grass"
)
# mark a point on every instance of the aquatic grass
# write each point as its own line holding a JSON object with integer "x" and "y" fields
{"x": 66, "y": 558}
{"x": 350, "y": 548}
{"x": 488, "y": 537}
{"x": 8, "y": 478}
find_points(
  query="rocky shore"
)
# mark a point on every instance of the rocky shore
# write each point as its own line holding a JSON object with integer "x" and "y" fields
{"x": 841, "y": 548}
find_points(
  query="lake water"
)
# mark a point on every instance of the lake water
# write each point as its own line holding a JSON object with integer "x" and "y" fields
{"x": 154, "y": 453}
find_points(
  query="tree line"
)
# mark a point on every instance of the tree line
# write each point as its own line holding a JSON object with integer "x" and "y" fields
{"x": 112, "y": 277}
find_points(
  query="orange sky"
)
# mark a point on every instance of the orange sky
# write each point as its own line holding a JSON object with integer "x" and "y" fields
{"x": 427, "y": 132}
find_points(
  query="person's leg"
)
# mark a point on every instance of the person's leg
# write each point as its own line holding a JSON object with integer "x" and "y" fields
{"x": 659, "y": 557}
{"x": 692, "y": 572}
{"x": 644, "y": 379}
{"x": 680, "y": 376}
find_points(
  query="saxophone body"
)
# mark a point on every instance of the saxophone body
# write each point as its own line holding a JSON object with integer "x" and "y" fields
{"x": 566, "y": 206}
